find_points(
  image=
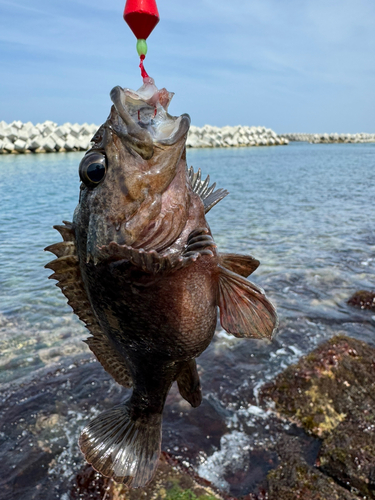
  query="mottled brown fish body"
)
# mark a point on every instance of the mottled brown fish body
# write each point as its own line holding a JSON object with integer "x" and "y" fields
{"x": 173, "y": 316}
{"x": 140, "y": 267}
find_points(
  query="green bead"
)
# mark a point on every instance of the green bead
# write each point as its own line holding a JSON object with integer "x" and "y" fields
{"x": 141, "y": 47}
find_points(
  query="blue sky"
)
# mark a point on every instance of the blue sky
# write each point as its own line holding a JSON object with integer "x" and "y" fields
{"x": 292, "y": 65}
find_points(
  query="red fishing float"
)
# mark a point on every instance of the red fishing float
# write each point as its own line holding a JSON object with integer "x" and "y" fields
{"x": 142, "y": 16}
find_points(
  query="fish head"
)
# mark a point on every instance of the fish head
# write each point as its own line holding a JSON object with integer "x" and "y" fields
{"x": 135, "y": 158}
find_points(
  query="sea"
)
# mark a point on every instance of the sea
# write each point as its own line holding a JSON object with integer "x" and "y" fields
{"x": 305, "y": 211}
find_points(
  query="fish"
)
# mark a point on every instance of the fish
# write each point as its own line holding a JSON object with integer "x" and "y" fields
{"x": 139, "y": 266}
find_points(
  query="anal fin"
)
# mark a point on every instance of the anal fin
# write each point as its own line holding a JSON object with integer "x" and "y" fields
{"x": 189, "y": 384}
{"x": 245, "y": 311}
{"x": 244, "y": 265}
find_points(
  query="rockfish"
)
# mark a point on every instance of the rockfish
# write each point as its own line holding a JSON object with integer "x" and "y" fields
{"x": 140, "y": 268}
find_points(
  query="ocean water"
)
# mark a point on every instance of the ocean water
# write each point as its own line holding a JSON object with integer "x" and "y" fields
{"x": 305, "y": 211}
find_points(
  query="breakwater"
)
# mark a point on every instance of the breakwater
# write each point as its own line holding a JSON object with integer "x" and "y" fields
{"x": 215, "y": 137}
{"x": 330, "y": 138}
{"x": 48, "y": 137}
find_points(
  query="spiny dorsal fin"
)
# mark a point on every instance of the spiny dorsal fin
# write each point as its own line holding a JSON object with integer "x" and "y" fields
{"x": 208, "y": 195}
{"x": 69, "y": 279}
{"x": 244, "y": 309}
{"x": 244, "y": 265}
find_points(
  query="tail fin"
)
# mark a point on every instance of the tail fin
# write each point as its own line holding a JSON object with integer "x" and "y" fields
{"x": 121, "y": 448}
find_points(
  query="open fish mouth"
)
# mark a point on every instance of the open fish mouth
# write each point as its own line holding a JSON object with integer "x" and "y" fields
{"x": 144, "y": 118}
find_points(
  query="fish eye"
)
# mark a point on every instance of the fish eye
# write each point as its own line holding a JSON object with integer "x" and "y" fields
{"x": 93, "y": 168}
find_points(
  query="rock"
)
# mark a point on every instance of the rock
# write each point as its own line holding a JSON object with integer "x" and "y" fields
{"x": 33, "y": 132}
{"x": 48, "y": 128}
{"x": 330, "y": 138}
{"x": 41, "y": 418}
{"x": 331, "y": 394}
{"x": 11, "y": 133}
{"x": 7, "y": 145}
{"x": 36, "y": 142}
{"x": 295, "y": 480}
{"x": 24, "y": 134}
{"x": 60, "y": 143}
{"x": 195, "y": 142}
{"x": 20, "y": 146}
{"x": 62, "y": 131}
{"x": 16, "y": 124}
{"x": 348, "y": 456}
{"x": 334, "y": 382}
{"x": 82, "y": 143}
{"x": 49, "y": 144}
{"x": 363, "y": 299}
{"x": 75, "y": 130}
{"x": 85, "y": 130}
{"x": 172, "y": 481}
{"x": 70, "y": 143}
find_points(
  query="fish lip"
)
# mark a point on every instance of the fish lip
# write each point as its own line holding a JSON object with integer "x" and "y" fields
{"x": 118, "y": 97}
{"x": 183, "y": 129}
{"x": 139, "y": 139}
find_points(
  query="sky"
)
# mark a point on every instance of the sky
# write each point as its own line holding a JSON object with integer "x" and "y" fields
{"x": 290, "y": 65}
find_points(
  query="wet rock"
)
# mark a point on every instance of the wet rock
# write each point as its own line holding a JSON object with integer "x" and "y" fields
{"x": 363, "y": 299}
{"x": 295, "y": 480}
{"x": 331, "y": 394}
{"x": 348, "y": 455}
{"x": 172, "y": 481}
{"x": 41, "y": 418}
{"x": 336, "y": 381}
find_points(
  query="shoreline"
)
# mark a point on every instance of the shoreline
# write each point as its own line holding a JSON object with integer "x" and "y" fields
{"x": 334, "y": 138}
{"x": 48, "y": 137}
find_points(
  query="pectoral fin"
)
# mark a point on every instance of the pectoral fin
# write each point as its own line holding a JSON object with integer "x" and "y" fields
{"x": 244, "y": 265}
{"x": 189, "y": 384}
{"x": 244, "y": 309}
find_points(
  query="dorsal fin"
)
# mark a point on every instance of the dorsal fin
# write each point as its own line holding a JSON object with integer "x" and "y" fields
{"x": 69, "y": 279}
{"x": 208, "y": 195}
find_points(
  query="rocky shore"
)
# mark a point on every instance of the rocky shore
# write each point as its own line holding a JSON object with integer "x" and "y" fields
{"x": 330, "y": 138}
{"x": 48, "y": 137}
{"x": 320, "y": 411}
